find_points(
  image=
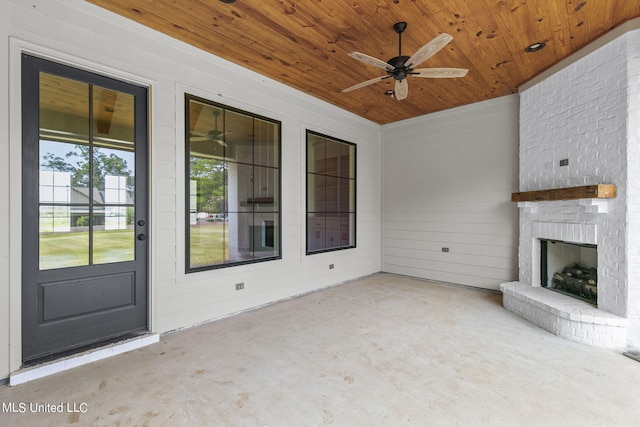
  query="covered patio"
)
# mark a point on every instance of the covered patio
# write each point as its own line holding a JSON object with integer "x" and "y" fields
{"x": 381, "y": 350}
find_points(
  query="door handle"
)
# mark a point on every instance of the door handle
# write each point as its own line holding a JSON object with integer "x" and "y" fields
{"x": 142, "y": 237}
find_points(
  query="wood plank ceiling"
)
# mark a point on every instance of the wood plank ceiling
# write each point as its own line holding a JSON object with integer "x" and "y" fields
{"x": 304, "y": 43}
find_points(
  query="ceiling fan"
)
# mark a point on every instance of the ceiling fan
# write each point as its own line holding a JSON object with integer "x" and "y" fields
{"x": 401, "y": 66}
{"x": 212, "y": 135}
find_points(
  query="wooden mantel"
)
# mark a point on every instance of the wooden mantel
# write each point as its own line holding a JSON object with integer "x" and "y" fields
{"x": 599, "y": 191}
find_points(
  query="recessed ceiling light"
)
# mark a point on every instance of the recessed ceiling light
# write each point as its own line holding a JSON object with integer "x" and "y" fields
{"x": 535, "y": 47}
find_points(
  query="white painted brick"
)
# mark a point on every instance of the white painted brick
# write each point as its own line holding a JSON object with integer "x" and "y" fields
{"x": 589, "y": 113}
{"x": 541, "y": 306}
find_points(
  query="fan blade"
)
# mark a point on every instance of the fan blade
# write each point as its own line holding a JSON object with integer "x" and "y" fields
{"x": 196, "y": 138}
{"x": 428, "y": 50}
{"x": 439, "y": 73}
{"x": 370, "y": 60}
{"x": 363, "y": 84}
{"x": 401, "y": 90}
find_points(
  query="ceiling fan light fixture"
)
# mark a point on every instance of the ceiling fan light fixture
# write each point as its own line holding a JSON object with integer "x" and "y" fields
{"x": 401, "y": 67}
{"x": 534, "y": 47}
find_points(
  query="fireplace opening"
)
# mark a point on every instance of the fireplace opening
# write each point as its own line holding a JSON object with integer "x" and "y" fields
{"x": 570, "y": 268}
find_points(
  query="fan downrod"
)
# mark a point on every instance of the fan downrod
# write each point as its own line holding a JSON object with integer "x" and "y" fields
{"x": 399, "y": 28}
{"x": 399, "y": 71}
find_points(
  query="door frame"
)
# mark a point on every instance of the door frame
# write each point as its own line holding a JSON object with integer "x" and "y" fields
{"x": 92, "y": 63}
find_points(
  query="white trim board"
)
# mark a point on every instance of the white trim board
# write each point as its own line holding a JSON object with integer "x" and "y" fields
{"x": 46, "y": 369}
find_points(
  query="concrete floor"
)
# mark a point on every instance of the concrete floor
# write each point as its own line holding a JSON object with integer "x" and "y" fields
{"x": 385, "y": 350}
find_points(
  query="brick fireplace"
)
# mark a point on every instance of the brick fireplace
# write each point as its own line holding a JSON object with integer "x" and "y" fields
{"x": 603, "y": 325}
{"x": 580, "y": 129}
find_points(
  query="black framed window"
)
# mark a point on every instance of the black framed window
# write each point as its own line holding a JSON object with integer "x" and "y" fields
{"x": 232, "y": 186}
{"x": 331, "y": 193}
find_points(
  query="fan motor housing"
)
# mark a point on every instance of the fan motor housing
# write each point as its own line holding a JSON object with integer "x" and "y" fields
{"x": 399, "y": 71}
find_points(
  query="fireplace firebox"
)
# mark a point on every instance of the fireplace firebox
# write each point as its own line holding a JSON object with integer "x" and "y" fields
{"x": 570, "y": 268}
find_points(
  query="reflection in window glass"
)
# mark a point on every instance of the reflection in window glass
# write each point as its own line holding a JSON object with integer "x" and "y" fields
{"x": 331, "y": 195}
{"x": 232, "y": 186}
{"x": 64, "y": 234}
{"x": 113, "y": 239}
{"x": 114, "y": 207}
{"x": 87, "y": 179}
{"x": 64, "y": 238}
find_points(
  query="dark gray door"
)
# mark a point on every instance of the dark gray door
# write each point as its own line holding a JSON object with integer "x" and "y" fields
{"x": 84, "y": 235}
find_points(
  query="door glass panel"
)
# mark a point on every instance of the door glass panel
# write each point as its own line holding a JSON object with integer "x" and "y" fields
{"x": 113, "y": 117}
{"x": 113, "y": 178}
{"x": 64, "y": 236}
{"x": 113, "y": 235}
{"x": 63, "y": 223}
{"x": 87, "y": 163}
{"x": 64, "y": 108}
{"x": 55, "y": 187}
{"x": 63, "y": 176}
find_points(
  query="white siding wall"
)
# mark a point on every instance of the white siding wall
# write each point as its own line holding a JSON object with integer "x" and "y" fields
{"x": 81, "y": 34}
{"x": 447, "y": 182}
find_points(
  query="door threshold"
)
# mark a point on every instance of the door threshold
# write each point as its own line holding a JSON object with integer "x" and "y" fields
{"x": 49, "y": 368}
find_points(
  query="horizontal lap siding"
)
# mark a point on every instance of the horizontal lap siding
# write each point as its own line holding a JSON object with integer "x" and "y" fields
{"x": 447, "y": 183}
{"x": 86, "y": 34}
